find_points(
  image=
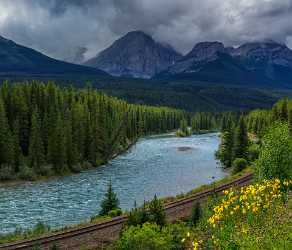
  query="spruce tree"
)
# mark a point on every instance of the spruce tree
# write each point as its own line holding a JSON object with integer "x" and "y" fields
{"x": 6, "y": 146}
{"x": 226, "y": 148}
{"x": 156, "y": 212}
{"x": 36, "y": 156}
{"x": 110, "y": 201}
{"x": 17, "y": 152}
{"x": 240, "y": 140}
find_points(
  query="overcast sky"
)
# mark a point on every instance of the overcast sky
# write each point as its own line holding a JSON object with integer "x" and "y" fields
{"x": 66, "y": 29}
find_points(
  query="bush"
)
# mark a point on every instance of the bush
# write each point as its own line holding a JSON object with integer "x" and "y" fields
{"x": 77, "y": 168}
{"x": 238, "y": 165}
{"x": 153, "y": 212}
{"x": 45, "y": 170}
{"x": 115, "y": 213}
{"x": 27, "y": 173}
{"x": 147, "y": 237}
{"x": 156, "y": 212}
{"x": 196, "y": 214}
{"x": 138, "y": 216}
{"x": 7, "y": 173}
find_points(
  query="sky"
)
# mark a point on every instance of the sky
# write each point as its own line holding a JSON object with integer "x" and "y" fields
{"x": 75, "y": 30}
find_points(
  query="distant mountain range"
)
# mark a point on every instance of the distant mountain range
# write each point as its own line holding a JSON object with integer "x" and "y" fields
{"x": 138, "y": 55}
{"x": 135, "y": 55}
{"x": 260, "y": 63}
{"x": 19, "y": 60}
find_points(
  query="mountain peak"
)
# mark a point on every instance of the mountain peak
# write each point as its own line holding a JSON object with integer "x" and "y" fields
{"x": 204, "y": 50}
{"x": 137, "y": 33}
{"x": 136, "y": 54}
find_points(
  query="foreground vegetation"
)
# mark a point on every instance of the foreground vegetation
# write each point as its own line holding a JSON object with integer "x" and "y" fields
{"x": 47, "y": 130}
{"x": 254, "y": 217}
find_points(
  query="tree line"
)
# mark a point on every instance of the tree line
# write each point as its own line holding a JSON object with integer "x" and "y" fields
{"x": 244, "y": 140}
{"x": 48, "y": 130}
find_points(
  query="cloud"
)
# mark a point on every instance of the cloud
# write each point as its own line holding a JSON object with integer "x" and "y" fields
{"x": 61, "y": 28}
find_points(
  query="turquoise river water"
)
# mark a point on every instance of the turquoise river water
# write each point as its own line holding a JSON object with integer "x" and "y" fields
{"x": 162, "y": 165}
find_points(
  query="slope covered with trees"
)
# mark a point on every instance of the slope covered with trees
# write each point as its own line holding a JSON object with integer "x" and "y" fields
{"x": 48, "y": 130}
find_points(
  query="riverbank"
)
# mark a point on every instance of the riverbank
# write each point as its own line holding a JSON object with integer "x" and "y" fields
{"x": 43, "y": 230}
{"x": 16, "y": 182}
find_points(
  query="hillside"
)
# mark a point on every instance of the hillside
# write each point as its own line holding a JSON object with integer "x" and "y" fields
{"x": 17, "y": 60}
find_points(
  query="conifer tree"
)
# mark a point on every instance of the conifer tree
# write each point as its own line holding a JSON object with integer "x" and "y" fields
{"x": 156, "y": 211}
{"x": 6, "y": 147}
{"x": 36, "y": 156}
{"x": 17, "y": 153}
{"x": 110, "y": 201}
{"x": 226, "y": 148}
{"x": 240, "y": 140}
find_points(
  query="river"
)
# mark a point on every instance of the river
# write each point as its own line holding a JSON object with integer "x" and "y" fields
{"x": 162, "y": 165}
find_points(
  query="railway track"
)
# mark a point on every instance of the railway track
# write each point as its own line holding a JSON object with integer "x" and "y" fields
{"x": 104, "y": 232}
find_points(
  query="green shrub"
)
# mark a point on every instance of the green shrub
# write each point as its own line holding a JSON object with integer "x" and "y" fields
{"x": 196, "y": 214}
{"x": 77, "y": 168}
{"x": 115, "y": 213}
{"x": 45, "y": 170}
{"x": 27, "y": 173}
{"x": 238, "y": 165}
{"x": 138, "y": 216}
{"x": 147, "y": 237}
{"x": 156, "y": 212}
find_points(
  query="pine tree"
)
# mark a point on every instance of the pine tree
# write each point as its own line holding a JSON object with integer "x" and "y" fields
{"x": 6, "y": 146}
{"x": 110, "y": 201}
{"x": 71, "y": 147}
{"x": 36, "y": 156}
{"x": 240, "y": 140}
{"x": 156, "y": 211}
{"x": 57, "y": 147}
{"x": 17, "y": 153}
{"x": 226, "y": 148}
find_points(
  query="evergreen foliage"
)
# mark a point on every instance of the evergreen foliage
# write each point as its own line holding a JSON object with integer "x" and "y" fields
{"x": 240, "y": 143}
{"x": 48, "y": 130}
{"x": 110, "y": 201}
{"x": 152, "y": 212}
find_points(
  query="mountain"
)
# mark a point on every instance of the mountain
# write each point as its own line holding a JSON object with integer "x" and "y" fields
{"x": 260, "y": 64}
{"x": 136, "y": 55}
{"x": 269, "y": 59}
{"x": 19, "y": 60}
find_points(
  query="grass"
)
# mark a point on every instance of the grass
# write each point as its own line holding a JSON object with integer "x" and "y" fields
{"x": 209, "y": 186}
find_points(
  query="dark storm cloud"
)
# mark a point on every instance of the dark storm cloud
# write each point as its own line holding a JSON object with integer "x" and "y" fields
{"x": 69, "y": 29}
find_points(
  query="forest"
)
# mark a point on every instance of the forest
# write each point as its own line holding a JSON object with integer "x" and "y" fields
{"x": 49, "y": 130}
